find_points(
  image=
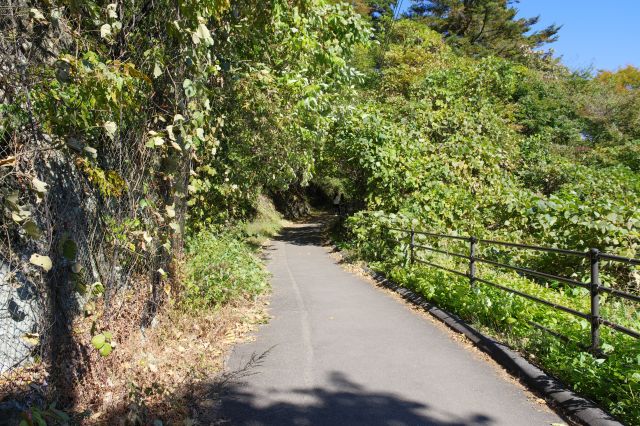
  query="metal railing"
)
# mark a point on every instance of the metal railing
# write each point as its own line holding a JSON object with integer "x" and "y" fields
{"x": 594, "y": 285}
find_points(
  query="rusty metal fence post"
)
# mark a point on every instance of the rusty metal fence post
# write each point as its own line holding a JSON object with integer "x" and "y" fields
{"x": 472, "y": 260}
{"x": 594, "y": 257}
{"x": 412, "y": 245}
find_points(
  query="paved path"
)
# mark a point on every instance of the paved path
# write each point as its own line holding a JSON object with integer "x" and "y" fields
{"x": 341, "y": 352}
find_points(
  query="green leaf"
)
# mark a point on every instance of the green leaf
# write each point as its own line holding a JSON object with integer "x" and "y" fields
{"x": 69, "y": 249}
{"x": 32, "y": 229}
{"x": 97, "y": 288}
{"x": 98, "y": 341}
{"x": 106, "y": 349}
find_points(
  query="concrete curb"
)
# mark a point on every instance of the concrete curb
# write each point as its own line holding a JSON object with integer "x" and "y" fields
{"x": 577, "y": 408}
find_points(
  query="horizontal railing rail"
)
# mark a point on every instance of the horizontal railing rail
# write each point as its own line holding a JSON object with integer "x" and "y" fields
{"x": 594, "y": 286}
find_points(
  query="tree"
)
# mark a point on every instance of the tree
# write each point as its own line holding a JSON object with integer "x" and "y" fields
{"x": 625, "y": 79}
{"x": 483, "y": 27}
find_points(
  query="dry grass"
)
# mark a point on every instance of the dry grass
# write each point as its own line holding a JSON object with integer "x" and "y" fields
{"x": 153, "y": 373}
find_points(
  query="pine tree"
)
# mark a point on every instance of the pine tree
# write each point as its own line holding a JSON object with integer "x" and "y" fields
{"x": 483, "y": 27}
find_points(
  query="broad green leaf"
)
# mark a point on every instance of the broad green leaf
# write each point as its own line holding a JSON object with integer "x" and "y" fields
{"x": 69, "y": 249}
{"x": 32, "y": 229}
{"x": 106, "y": 349}
{"x": 98, "y": 341}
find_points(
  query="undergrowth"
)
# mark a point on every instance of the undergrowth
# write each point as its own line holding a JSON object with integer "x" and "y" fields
{"x": 220, "y": 267}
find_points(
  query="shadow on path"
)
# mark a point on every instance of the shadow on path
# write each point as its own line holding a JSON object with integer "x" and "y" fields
{"x": 302, "y": 235}
{"x": 340, "y": 402}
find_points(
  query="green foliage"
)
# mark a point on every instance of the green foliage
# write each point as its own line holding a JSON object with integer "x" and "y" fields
{"x": 624, "y": 79}
{"x": 457, "y": 141}
{"x": 50, "y": 415}
{"x": 179, "y": 116}
{"x": 103, "y": 342}
{"x": 220, "y": 267}
{"x": 275, "y": 104}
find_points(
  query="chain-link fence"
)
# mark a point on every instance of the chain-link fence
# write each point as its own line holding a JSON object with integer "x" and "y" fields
{"x": 91, "y": 217}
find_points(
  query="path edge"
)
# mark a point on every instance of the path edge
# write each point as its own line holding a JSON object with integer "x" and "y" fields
{"x": 569, "y": 403}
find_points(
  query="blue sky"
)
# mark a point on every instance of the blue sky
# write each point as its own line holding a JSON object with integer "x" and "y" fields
{"x": 602, "y": 35}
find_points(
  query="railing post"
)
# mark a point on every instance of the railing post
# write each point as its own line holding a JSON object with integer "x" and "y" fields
{"x": 412, "y": 244}
{"x": 472, "y": 260}
{"x": 594, "y": 256}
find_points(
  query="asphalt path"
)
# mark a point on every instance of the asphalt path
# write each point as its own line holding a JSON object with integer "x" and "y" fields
{"x": 339, "y": 351}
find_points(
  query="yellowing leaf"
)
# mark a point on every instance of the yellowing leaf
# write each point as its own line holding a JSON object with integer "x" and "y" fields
{"x": 170, "y": 132}
{"x": 39, "y": 186}
{"x": 8, "y": 162}
{"x": 42, "y": 261}
{"x": 111, "y": 10}
{"x": 157, "y": 71}
{"x": 31, "y": 339}
{"x": 91, "y": 152}
{"x": 76, "y": 268}
{"x": 204, "y": 34}
{"x": 105, "y": 31}
{"x": 171, "y": 212}
{"x": 37, "y": 15}
{"x": 110, "y": 127}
